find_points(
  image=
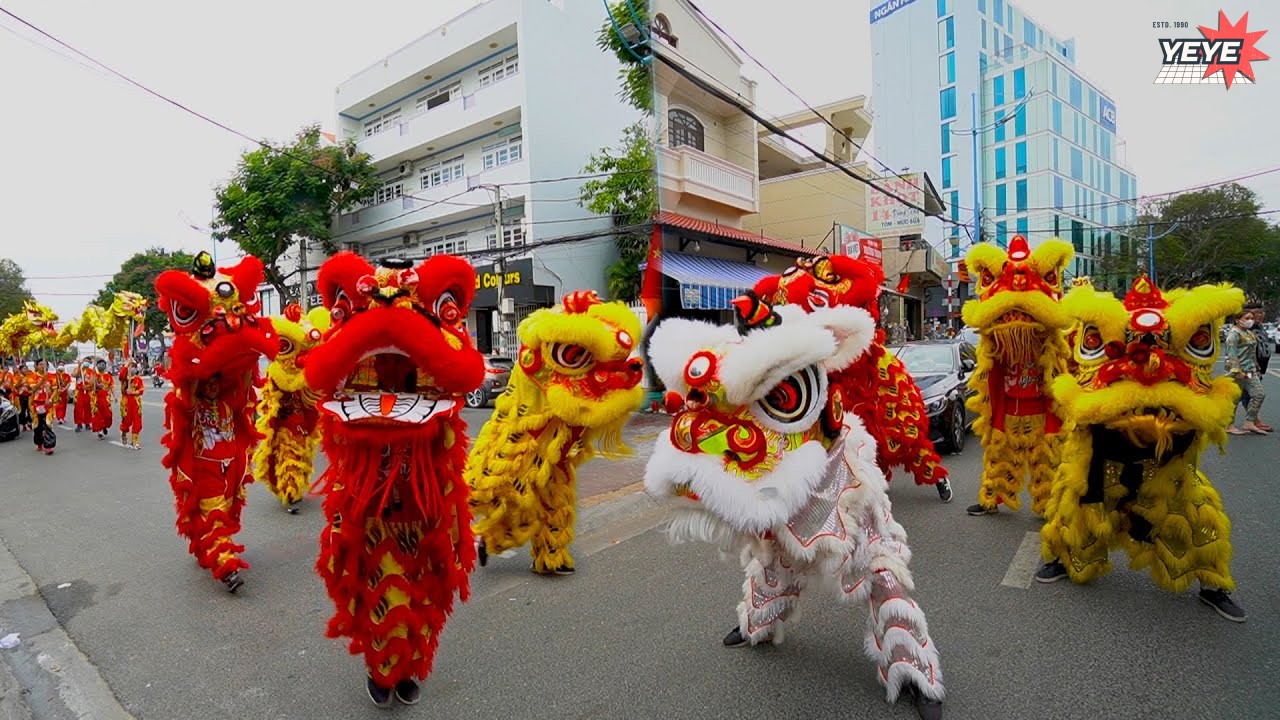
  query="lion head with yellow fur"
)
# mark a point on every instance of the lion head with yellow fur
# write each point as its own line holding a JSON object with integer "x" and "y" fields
{"x": 1018, "y": 295}
{"x": 1143, "y": 366}
{"x": 298, "y": 334}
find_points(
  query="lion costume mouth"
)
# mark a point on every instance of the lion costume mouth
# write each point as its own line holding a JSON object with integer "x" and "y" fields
{"x": 386, "y": 387}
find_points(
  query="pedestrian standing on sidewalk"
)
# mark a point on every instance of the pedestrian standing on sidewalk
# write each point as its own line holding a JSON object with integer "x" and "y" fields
{"x": 1241, "y": 354}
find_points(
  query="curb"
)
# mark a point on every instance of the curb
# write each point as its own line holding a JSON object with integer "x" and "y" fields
{"x": 45, "y": 677}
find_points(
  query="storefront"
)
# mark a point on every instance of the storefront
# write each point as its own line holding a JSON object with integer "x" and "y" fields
{"x": 493, "y": 326}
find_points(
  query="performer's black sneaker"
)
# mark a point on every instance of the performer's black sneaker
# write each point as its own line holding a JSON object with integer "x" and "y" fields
{"x": 380, "y": 696}
{"x": 1051, "y": 572}
{"x": 944, "y": 490}
{"x": 292, "y": 508}
{"x": 977, "y": 510}
{"x": 735, "y": 638}
{"x": 408, "y": 692}
{"x": 233, "y": 582}
{"x": 926, "y": 708}
{"x": 1221, "y": 601}
{"x": 563, "y": 571}
{"x": 482, "y": 554}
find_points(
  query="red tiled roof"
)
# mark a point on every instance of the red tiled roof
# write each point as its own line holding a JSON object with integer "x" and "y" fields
{"x": 684, "y": 221}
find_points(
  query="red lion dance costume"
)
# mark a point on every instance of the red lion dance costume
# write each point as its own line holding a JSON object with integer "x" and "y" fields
{"x": 391, "y": 373}
{"x": 877, "y": 385}
{"x": 218, "y": 338}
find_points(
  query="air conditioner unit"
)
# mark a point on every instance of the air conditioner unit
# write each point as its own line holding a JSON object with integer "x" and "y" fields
{"x": 508, "y": 306}
{"x": 406, "y": 168}
{"x": 406, "y": 239}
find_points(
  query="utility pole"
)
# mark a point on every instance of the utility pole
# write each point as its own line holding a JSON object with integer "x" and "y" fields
{"x": 302, "y": 270}
{"x": 1151, "y": 248}
{"x": 499, "y": 269}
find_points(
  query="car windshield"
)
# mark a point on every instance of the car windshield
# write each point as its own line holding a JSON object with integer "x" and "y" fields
{"x": 927, "y": 359}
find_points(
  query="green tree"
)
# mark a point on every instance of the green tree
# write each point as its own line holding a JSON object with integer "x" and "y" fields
{"x": 279, "y": 195}
{"x": 634, "y": 77}
{"x": 13, "y": 288}
{"x": 628, "y": 194}
{"x": 138, "y": 274}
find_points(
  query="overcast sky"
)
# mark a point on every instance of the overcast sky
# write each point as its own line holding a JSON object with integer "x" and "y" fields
{"x": 95, "y": 170}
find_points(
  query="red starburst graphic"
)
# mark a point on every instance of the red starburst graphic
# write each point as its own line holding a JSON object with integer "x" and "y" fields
{"x": 1248, "y": 49}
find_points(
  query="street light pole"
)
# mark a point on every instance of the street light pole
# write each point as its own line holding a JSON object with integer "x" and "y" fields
{"x": 1151, "y": 248}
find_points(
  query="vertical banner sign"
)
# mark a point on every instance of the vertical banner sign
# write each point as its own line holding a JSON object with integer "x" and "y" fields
{"x": 855, "y": 243}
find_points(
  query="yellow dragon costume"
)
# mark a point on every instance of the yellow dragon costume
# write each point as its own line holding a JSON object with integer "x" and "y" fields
{"x": 1021, "y": 350}
{"x": 575, "y": 386}
{"x": 287, "y": 414}
{"x": 1142, "y": 406}
{"x": 23, "y": 332}
{"x": 108, "y": 327}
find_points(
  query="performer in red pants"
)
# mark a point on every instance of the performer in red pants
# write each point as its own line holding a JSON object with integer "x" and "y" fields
{"x": 62, "y": 382}
{"x": 83, "y": 413}
{"x": 102, "y": 395}
{"x": 131, "y": 407}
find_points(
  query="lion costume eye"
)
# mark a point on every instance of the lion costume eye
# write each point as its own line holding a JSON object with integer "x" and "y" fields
{"x": 819, "y": 298}
{"x": 793, "y": 404}
{"x": 1092, "y": 346}
{"x": 1051, "y": 277}
{"x": 184, "y": 318}
{"x": 987, "y": 277}
{"x": 446, "y": 308}
{"x": 700, "y": 369}
{"x": 1202, "y": 343}
{"x": 569, "y": 356}
{"x": 286, "y": 345}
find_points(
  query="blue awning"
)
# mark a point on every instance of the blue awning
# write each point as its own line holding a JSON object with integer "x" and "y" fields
{"x": 708, "y": 283}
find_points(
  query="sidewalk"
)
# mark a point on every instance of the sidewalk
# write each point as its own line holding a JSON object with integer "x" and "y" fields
{"x": 604, "y": 479}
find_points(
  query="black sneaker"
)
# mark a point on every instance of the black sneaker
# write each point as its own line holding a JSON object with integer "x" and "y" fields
{"x": 408, "y": 692}
{"x": 563, "y": 571}
{"x": 1051, "y": 572}
{"x": 735, "y": 638}
{"x": 233, "y": 582}
{"x": 481, "y": 553}
{"x": 292, "y": 508}
{"x": 944, "y": 490}
{"x": 977, "y": 510}
{"x": 1221, "y": 601}
{"x": 926, "y": 708}
{"x": 380, "y": 696}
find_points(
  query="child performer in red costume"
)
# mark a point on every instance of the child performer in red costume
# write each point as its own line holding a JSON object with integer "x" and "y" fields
{"x": 103, "y": 393}
{"x": 83, "y": 412}
{"x": 218, "y": 340}
{"x": 131, "y": 407}
{"x": 62, "y": 382}
{"x": 43, "y": 396}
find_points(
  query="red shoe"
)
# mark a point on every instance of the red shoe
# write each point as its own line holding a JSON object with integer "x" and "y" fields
{"x": 49, "y": 451}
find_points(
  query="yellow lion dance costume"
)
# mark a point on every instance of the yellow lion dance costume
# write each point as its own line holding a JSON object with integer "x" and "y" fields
{"x": 1142, "y": 406}
{"x": 287, "y": 414}
{"x": 574, "y": 388}
{"x": 1021, "y": 350}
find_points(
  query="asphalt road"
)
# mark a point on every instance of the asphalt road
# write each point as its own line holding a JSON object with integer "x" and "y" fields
{"x": 636, "y": 632}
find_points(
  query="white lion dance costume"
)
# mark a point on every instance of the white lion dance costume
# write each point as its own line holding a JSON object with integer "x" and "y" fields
{"x": 763, "y": 460}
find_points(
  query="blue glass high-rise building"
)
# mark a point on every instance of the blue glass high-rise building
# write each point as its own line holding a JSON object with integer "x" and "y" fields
{"x": 1050, "y": 169}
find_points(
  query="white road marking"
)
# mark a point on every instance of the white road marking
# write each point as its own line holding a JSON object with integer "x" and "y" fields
{"x": 1025, "y": 562}
{"x": 144, "y": 402}
{"x": 1274, "y": 373}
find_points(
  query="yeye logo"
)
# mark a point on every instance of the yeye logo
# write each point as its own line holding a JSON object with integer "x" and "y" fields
{"x": 1220, "y": 56}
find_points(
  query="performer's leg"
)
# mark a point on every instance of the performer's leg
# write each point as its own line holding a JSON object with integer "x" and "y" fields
{"x": 1002, "y": 470}
{"x": 1077, "y": 537}
{"x": 1043, "y": 461}
{"x": 556, "y": 502}
{"x": 1187, "y": 529}
{"x": 505, "y": 517}
{"x": 771, "y": 596}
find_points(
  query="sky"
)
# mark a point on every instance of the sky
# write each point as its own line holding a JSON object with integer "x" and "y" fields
{"x": 96, "y": 170}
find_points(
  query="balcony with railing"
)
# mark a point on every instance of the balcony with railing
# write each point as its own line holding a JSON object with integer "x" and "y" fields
{"x": 687, "y": 170}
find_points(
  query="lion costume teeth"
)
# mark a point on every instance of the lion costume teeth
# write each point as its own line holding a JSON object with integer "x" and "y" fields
{"x": 1142, "y": 406}
{"x": 575, "y": 386}
{"x": 763, "y": 460}
{"x": 1021, "y": 350}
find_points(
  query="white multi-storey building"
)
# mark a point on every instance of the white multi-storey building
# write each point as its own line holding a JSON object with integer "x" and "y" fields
{"x": 503, "y": 99}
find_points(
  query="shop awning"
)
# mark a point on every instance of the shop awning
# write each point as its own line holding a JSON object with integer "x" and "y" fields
{"x": 708, "y": 283}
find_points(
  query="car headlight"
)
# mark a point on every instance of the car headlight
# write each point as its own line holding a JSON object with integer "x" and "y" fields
{"x": 935, "y": 405}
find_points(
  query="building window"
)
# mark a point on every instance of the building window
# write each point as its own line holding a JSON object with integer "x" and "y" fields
{"x": 1002, "y": 233}
{"x": 1001, "y": 162}
{"x": 997, "y": 11}
{"x": 442, "y": 173}
{"x": 1000, "y": 126}
{"x": 1020, "y": 192}
{"x": 944, "y": 8}
{"x": 1022, "y": 227}
{"x": 686, "y": 130}
{"x": 1057, "y": 116}
{"x": 1077, "y": 92}
{"x": 1020, "y": 158}
{"x": 511, "y": 237}
{"x": 946, "y": 138}
{"x": 1057, "y": 192}
{"x": 955, "y": 206}
{"x": 982, "y": 6}
{"x": 499, "y": 71}
{"x": 1019, "y": 83}
{"x": 946, "y": 172}
{"x": 1077, "y": 164}
{"x": 1020, "y": 123}
{"x": 1002, "y": 199}
{"x": 997, "y": 91}
{"x": 439, "y": 96}
{"x": 947, "y": 69}
{"x": 983, "y": 35}
{"x": 1029, "y": 32}
{"x": 948, "y": 101}
{"x": 502, "y": 153}
{"x": 1077, "y": 235}
{"x": 383, "y": 123}
{"x": 454, "y": 244}
{"x": 386, "y": 193}
{"x": 947, "y": 34}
